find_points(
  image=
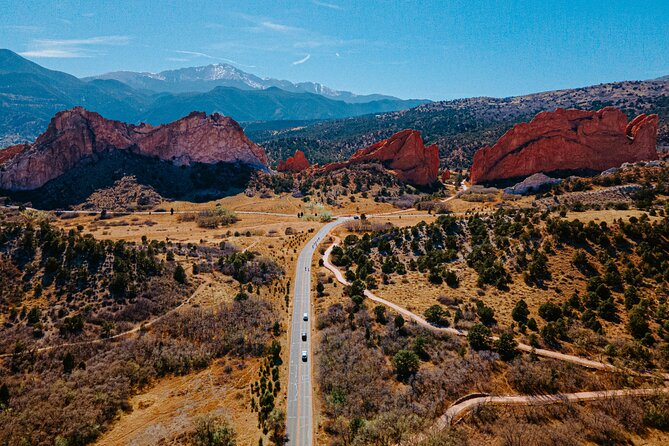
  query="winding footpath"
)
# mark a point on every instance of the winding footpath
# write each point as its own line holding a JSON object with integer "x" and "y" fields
{"x": 588, "y": 363}
{"x": 205, "y": 281}
{"x": 457, "y": 332}
{"x": 465, "y": 405}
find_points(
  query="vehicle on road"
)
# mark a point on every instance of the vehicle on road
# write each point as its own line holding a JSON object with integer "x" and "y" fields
{"x": 304, "y": 335}
{"x": 305, "y": 317}
{"x": 304, "y": 355}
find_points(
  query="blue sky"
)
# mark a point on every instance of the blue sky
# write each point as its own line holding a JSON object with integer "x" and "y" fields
{"x": 438, "y": 49}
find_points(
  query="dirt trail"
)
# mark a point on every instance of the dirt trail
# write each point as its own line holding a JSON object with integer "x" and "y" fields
{"x": 205, "y": 282}
{"x": 457, "y": 332}
{"x": 466, "y": 405}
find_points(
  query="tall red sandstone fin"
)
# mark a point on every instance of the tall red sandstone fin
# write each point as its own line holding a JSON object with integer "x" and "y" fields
{"x": 76, "y": 134}
{"x": 566, "y": 140}
{"x": 296, "y": 163}
{"x": 632, "y": 127}
{"x": 404, "y": 154}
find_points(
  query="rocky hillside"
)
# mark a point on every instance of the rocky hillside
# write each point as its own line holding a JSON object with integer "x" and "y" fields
{"x": 196, "y": 158}
{"x": 77, "y": 134}
{"x": 462, "y": 126}
{"x": 296, "y": 163}
{"x": 567, "y": 141}
{"x": 403, "y": 155}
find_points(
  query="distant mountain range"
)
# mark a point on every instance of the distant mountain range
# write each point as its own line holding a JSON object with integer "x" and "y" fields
{"x": 31, "y": 94}
{"x": 206, "y": 78}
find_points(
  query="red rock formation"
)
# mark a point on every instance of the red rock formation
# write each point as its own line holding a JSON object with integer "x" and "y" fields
{"x": 76, "y": 134}
{"x": 404, "y": 154}
{"x": 567, "y": 140}
{"x": 445, "y": 175}
{"x": 295, "y": 163}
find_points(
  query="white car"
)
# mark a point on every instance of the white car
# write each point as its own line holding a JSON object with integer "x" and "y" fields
{"x": 305, "y": 317}
{"x": 304, "y": 355}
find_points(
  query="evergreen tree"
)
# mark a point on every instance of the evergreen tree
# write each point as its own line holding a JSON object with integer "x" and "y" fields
{"x": 180, "y": 274}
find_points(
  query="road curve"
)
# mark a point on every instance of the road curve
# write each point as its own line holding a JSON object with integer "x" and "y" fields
{"x": 299, "y": 408}
{"x": 457, "y": 332}
{"x": 459, "y": 410}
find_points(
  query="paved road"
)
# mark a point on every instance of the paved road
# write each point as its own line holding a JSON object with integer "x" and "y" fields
{"x": 457, "y": 411}
{"x": 299, "y": 422}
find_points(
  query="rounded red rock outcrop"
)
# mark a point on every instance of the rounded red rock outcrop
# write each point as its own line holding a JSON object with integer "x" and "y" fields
{"x": 76, "y": 134}
{"x": 567, "y": 140}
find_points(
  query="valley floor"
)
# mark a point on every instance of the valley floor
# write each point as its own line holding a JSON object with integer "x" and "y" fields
{"x": 278, "y": 228}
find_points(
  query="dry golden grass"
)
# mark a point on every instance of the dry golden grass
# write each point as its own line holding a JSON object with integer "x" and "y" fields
{"x": 284, "y": 203}
{"x": 414, "y": 292}
{"x": 170, "y": 408}
{"x": 165, "y": 227}
{"x": 167, "y": 408}
{"x": 607, "y": 215}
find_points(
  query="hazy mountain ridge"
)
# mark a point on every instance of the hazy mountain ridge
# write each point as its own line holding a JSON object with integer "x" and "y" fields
{"x": 271, "y": 104}
{"x": 31, "y": 95}
{"x": 205, "y": 78}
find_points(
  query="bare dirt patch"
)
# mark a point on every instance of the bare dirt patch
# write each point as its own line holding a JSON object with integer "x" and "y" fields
{"x": 170, "y": 408}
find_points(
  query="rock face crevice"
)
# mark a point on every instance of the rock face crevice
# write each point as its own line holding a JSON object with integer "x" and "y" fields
{"x": 77, "y": 134}
{"x": 567, "y": 140}
{"x": 404, "y": 154}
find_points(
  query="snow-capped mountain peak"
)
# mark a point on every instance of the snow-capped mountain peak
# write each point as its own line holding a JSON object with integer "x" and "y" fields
{"x": 207, "y": 77}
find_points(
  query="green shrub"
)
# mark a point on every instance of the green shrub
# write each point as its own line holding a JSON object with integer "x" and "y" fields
{"x": 179, "y": 274}
{"x": 437, "y": 316}
{"x": 211, "y": 431}
{"x": 550, "y": 312}
{"x": 520, "y": 312}
{"x": 506, "y": 347}
{"x": 406, "y": 364}
{"x": 479, "y": 337}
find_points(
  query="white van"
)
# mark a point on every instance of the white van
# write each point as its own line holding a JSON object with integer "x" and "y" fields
{"x": 305, "y": 317}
